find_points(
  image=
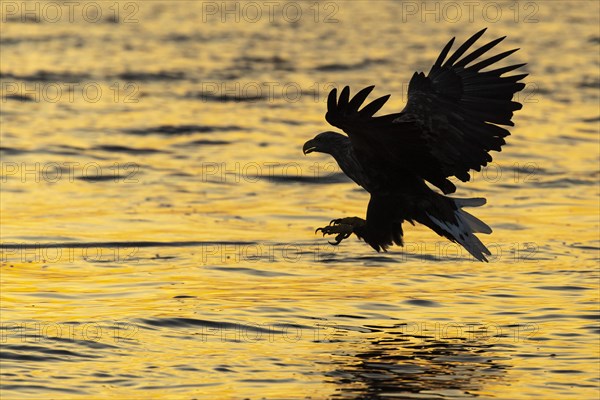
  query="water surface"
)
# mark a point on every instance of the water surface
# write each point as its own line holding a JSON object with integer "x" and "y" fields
{"x": 158, "y": 215}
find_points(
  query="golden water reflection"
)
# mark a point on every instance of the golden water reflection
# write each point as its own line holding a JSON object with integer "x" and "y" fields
{"x": 166, "y": 247}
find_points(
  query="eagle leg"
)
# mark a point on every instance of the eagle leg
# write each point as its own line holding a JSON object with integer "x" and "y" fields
{"x": 343, "y": 227}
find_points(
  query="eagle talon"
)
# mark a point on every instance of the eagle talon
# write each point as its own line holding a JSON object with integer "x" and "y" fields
{"x": 339, "y": 238}
{"x": 342, "y": 228}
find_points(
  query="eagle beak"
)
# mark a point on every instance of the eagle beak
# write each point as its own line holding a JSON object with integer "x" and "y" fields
{"x": 309, "y": 147}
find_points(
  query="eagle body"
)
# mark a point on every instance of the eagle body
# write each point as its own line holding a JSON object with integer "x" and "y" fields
{"x": 452, "y": 120}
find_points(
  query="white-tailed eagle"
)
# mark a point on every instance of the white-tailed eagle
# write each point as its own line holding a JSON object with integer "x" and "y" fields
{"x": 449, "y": 125}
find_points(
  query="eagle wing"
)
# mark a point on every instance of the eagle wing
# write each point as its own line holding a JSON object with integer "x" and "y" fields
{"x": 451, "y": 120}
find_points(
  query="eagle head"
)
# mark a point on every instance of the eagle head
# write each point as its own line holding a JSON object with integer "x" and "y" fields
{"x": 325, "y": 142}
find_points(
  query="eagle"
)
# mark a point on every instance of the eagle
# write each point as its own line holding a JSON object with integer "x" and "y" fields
{"x": 453, "y": 118}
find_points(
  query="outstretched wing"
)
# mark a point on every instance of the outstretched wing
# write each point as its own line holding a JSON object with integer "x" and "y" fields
{"x": 451, "y": 120}
{"x": 458, "y": 108}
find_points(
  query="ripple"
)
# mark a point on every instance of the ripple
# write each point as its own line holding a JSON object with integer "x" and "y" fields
{"x": 20, "y": 97}
{"x": 204, "y": 142}
{"x": 251, "y": 271}
{"x": 49, "y": 76}
{"x": 564, "y": 287}
{"x": 180, "y": 322}
{"x": 104, "y": 178}
{"x": 182, "y": 386}
{"x": 127, "y": 150}
{"x": 54, "y": 354}
{"x": 151, "y": 76}
{"x": 12, "y": 151}
{"x": 337, "y": 177}
{"x": 226, "y": 98}
{"x": 182, "y": 129}
{"x": 335, "y": 67}
{"x": 36, "y": 389}
{"x": 422, "y": 303}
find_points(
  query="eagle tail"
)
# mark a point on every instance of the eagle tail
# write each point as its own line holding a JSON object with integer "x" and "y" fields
{"x": 460, "y": 227}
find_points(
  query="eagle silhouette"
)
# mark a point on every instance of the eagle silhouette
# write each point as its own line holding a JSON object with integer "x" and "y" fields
{"x": 448, "y": 127}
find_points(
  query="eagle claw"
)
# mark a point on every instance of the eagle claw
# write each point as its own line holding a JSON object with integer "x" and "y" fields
{"x": 342, "y": 228}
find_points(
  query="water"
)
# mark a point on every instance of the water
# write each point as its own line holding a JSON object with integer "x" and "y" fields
{"x": 158, "y": 215}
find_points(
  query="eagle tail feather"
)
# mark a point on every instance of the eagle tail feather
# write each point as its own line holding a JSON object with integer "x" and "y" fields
{"x": 463, "y": 226}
